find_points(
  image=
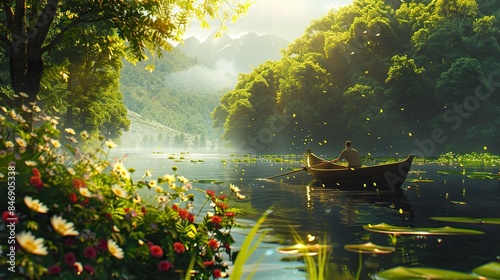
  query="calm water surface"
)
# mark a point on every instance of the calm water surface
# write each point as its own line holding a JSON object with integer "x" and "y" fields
{"x": 337, "y": 218}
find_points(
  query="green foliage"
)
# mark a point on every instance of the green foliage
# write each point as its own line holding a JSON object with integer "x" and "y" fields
{"x": 79, "y": 214}
{"x": 168, "y": 96}
{"x": 385, "y": 75}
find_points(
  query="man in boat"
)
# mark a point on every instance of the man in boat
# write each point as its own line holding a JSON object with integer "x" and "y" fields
{"x": 349, "y": 154}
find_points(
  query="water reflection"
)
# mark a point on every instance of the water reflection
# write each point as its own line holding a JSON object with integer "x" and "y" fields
{"x": 337, "y": 217}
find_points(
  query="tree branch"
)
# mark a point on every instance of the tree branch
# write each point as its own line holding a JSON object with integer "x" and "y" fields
{"x": 58, "y": 38}
{"x": 19, "y": 14}
{"x": 9, "y": 15}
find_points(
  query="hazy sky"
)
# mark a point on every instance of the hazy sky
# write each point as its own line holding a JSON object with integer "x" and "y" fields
{"x": 286, "y": 18}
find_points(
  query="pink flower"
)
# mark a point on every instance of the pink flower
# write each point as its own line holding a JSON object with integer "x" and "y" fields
{"x": 70, "y": 259}
{"x": 90, "y": 252}
{"x": 164, "y": 266}
{"x": 54, "y": 270}
{"x": 179, "y": 247}
{"x": 89, "y": 269}
{"x": 103, "y": 244}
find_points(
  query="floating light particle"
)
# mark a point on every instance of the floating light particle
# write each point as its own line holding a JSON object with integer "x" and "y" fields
{"x": 381, "y": 111}
{"x": 402, "y": 109}
{"x": 294, "y": 115}
{"x": 367, "y": 119}
{"x": 485, "y": 148}
{"x": 410, "y": 134}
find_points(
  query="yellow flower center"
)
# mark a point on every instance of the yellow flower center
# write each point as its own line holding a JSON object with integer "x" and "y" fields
{"x": 61, "y": 228}
{"x": 30, "y": 246}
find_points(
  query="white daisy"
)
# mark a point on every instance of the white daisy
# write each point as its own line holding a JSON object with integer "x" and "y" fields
{"x": 31, "y": 244}
{"x": 119, "y": 191}
{"x": 63, "y": 227}
{"x": 114, "y": 249}
{"x": 35, "y": 205}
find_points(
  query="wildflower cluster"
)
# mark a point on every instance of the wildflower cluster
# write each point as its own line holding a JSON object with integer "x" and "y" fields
{"x": 81, "y": 214}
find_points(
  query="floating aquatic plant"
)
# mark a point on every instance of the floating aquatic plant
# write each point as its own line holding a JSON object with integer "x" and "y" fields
{"x": 390, "y": 229}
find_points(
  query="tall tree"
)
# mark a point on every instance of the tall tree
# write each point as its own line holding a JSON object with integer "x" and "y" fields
{"x": 30, "y": 28}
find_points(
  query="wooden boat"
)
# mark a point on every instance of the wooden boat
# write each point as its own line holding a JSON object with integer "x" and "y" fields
{"x": 377, "y": 177}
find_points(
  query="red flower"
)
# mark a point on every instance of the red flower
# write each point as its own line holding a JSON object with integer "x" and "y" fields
{"x": 213, "y": 243}
{"x": 185, "y": 215}
{"x": 164, "y": 266}
{"x": 221, "y": 205}
{"x": 90, "y": 252}
{"x": 70, "y": 259}
{"x": 216, "y": 219}
{"x": 217, "y": 273}
{"x": 222, "y": 197}
{"x": 179, "y": 247}
{"x": 230, "y": 214}
{"x": 156, "y": 251}
{"x": 175, "y": 207}
{"x": 90, "y": 269}
{"x": 143, "y": 209}
{"x": 7, "y": 218}
{"x": 103, "y": 244}
{"x": 78, "y": 183}
{"x": 210, "y": 193}
{"x": 54, "y": 270}
{"x": 69, "y": 242}
{"x": 209, "y": 263}
{"x": 150, "y": 244}
{"x": 73, "y": 197}
{"x": 36, "y": 182}
{"x": 36, "y": 172}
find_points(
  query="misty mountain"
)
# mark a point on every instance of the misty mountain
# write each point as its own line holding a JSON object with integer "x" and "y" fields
{"x": 188, "y": 81}
{"x": 243, "y": 53}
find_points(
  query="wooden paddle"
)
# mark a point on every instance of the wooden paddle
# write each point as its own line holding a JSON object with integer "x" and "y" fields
{"x": 295, "y": 171}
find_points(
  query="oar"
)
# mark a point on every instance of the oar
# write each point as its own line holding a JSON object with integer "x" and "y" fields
{"x": 295, "y": 171}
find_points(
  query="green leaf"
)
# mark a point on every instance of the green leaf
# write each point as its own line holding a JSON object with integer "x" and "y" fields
{"x": 402, "y": 273}
{"x": 385, "y": 228}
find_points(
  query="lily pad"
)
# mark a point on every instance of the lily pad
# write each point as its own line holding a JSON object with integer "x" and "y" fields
{"x": 402, "y": 273}
{"x": 448, "y": 172}
{"x": 480, "y": 177}
{"x": 209, "y": 181}
{"x": 369, "y": 248}
{"x": 493, "y": 221}
{"x": 420, "y": 181}
{"x": 490, "y": 270}
{"x": 304, "y": 250}
{"x": 385, "y": 228}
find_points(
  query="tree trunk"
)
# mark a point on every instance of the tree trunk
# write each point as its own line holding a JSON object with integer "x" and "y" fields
{"x": 25, "y": 52}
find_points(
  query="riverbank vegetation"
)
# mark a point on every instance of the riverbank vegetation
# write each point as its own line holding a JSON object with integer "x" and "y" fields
{"x": 412, "y": 76}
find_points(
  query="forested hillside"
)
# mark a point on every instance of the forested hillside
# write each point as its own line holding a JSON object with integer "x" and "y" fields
{"x": 412, "y": 76}
{"x": 178, "y": 92}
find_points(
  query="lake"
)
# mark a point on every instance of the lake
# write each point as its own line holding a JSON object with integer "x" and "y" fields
{"x": 337, "y": 217}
